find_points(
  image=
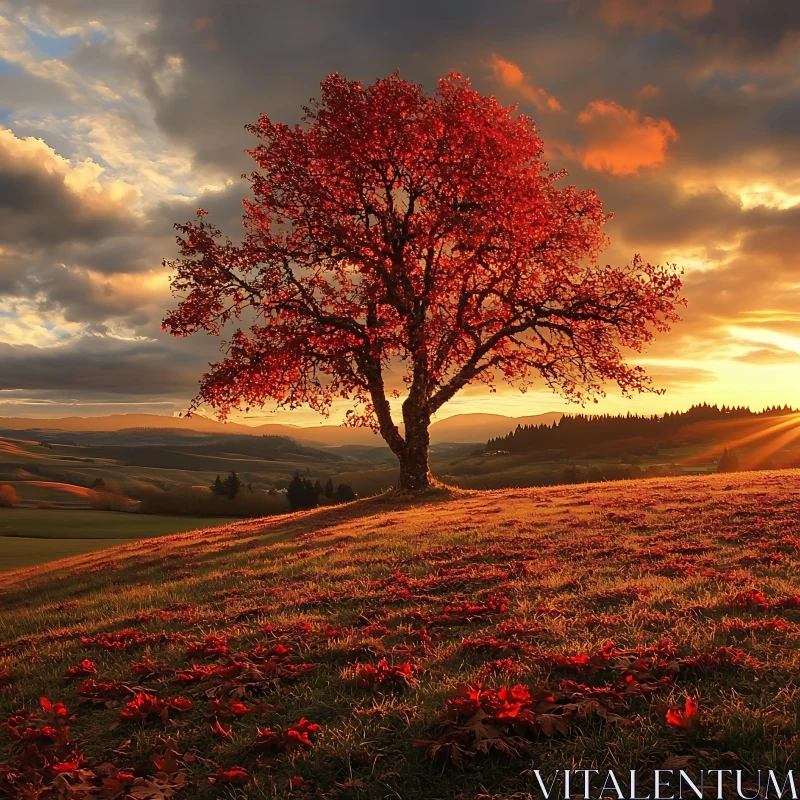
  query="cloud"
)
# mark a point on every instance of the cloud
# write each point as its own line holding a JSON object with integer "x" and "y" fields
{"x": 654, "y": 213}
{"x": 154, "y": 93}
{"x": 653, "y": 14}
{"x": 648, "y": 91}
{"x": 742, "y": 35}
{"x": 621, "y": 140}
{"x": 58, "y": 295}
{"x": 669, "y": 377}
{"x": 769, "y": 355}
{"x": 101, "y": 364}
{"x": 46, "y": 199}
{"x": 512, "y": 77}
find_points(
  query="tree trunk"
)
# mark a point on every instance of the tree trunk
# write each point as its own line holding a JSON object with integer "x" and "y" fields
{"x": 415, "y": 471}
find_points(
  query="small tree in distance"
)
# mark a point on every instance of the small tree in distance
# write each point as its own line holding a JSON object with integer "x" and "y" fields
{"x": 728, "y": 463}
{"x": 404, "y": 244}
{"x": 303, "y": 495}
{"x": 8, "y": 497}
{"x": 232, "y": 485}
{"x": 344, "y": 493}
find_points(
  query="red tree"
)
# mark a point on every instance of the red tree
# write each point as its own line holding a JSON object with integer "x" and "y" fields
{"x": 396, "y": 238}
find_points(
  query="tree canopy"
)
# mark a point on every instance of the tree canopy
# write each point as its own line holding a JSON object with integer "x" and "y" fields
{"x": 402, "y": 244}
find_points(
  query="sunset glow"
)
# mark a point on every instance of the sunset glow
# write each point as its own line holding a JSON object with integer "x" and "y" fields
{"x": 120, "y": 121}
{"x": 399, "y": 400}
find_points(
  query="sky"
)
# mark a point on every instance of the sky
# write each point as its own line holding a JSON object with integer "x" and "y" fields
{"x": 121, "y": 117}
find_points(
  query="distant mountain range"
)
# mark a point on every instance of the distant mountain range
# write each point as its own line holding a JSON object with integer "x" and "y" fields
{"x": 458, "y": 428}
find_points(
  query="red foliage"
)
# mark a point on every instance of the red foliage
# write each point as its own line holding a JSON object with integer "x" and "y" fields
{"x": 210, "y": 647}
{"x": 299, "y": 736}
{"x": 232, "y": 710}
{"x": 86, "y": 667}
{"x": 715, "y": 660}
{"x": 147, "y": 707}
{"x": 242, "y": 674}
{"x": 507, "y": 720}
{"x": 746, "y": 627}
{"x": 398, "y": 227}
{"x": 462, "y": 612}
{"x": 127, "y": 639}
{"x": 146, "y": 668}
{"x": 46, "y": 754}
{"x": 754, "y": 599}
{"x": 49, "y": 730}
{"x": 102, "y": 693}
{"x": 368, "y": 676}
{"x": 237, "y": 776}
{"x": 520, "y": 630}
{"x": 749, "y": 599}
{"x": 687, "y": 718}
{"x": 260, "y": 654}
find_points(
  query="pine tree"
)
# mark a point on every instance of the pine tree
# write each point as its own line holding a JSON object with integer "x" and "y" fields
{"x": 296, "y": 493}
{"x": 231, "y": 485}
{"x": 311, "y": 498}
{"x": 728, "y": 462}
{"x": 344, "y": 493}
{"x": 329, "y": 489}
{"x": 219, "y": 488}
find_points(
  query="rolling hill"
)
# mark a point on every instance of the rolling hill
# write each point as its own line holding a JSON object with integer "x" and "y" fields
{"x": 435, "y": 650}
{"x": 459, "y": 428}
{"x": 465, "y": 427}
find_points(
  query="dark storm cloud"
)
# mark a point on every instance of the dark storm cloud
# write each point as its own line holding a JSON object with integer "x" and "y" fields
{"x": 652, "y": 212}
{"x": 38, "y": 207}
{"x": 225, "y": 207}
{"x": 99, "y": 364}
{"x": 750, "y": 28}
{"x": 754, "y": 284}
{"x": 81, "y": 280}
{"x": 241, "y": 59}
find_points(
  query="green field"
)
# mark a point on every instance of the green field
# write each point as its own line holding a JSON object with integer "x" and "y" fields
{"x": 34, "y": 536}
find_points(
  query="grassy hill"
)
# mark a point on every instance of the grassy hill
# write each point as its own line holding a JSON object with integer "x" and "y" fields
{"x": 168, "y": 458}
{"x": 213, "y": 655}
{"x": 30, "y": 536}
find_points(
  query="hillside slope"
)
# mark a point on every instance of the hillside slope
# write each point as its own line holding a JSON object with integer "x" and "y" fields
{"x": 458, "y": 428}
{"x": 213, "y": 655}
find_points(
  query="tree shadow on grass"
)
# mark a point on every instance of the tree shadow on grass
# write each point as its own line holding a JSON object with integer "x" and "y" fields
{"x": 158, "y": 561}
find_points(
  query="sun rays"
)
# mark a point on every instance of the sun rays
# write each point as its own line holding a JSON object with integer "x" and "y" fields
{"x": 760, "y": 445}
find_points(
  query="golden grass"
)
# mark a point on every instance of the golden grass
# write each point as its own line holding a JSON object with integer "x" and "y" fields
{"x": 633, "y": 562}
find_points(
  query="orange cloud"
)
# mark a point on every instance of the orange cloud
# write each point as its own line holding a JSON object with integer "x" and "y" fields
{"x": 769, "y": 355}
{"x": 648, "y": 91}
{"x": 621, "y": 140}
{"x": 650, "y": 14}
{"x": 511, "y": 76}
